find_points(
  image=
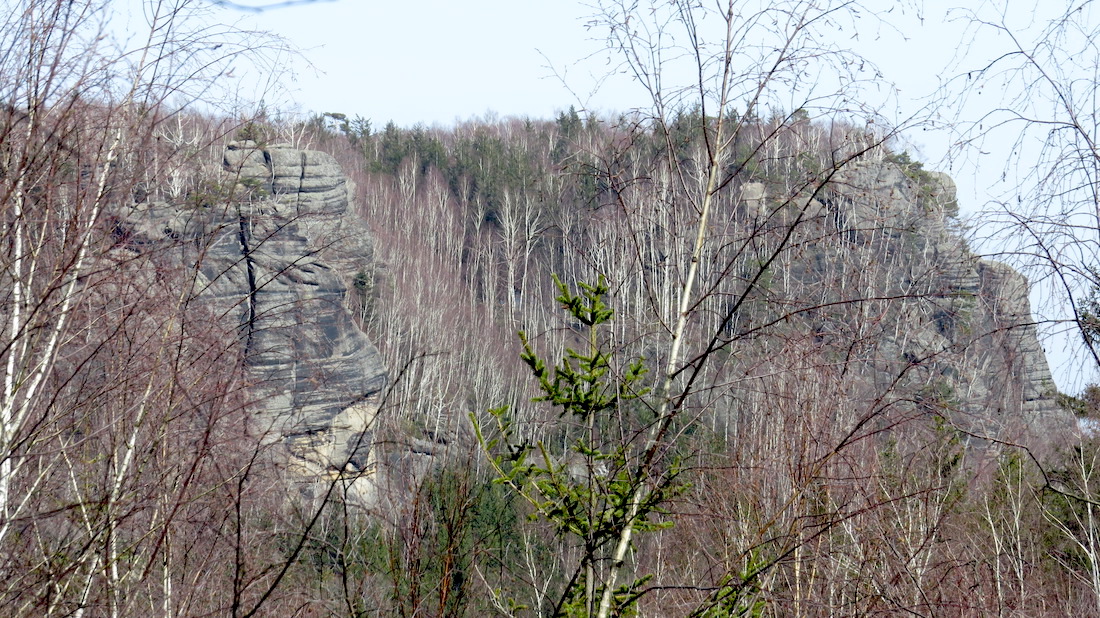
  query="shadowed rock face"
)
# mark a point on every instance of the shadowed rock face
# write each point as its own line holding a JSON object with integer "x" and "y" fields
{"x": 275, "y": 260}
{"x": 893, "y": 288}
{"x": 287, "y": 262}
{"x": 966, "y": 335}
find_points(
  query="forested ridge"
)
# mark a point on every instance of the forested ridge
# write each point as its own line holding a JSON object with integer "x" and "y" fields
{"x": 720, "y": 357}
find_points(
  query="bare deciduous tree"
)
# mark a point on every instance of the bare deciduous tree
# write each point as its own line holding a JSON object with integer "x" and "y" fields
{"x": 117, "y": 387}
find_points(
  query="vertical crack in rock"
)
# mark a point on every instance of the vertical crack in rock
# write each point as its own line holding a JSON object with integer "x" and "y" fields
{"x": 250, "y": 273}
{"x": 301, "y": 182}
{"x": 283, "y": 271}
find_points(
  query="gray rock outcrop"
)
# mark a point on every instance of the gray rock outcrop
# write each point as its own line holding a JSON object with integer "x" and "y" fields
{"x": 883, "y": 284}
{"x": 960, "y": 329}
{"x": 276, "y": 259}
{"x": 286, "y": 268}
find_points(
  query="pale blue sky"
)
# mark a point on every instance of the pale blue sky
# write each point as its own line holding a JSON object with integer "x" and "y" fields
{"x": 438, "y": 61}
{"x": 433, "y": 61}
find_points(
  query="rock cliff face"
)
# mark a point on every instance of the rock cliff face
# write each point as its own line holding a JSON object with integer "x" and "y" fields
{"x": 277, "y": 260}
{"x": 897, "y": 290}
{"x": 284, "y": 267}
{"x": 959, "y": 329}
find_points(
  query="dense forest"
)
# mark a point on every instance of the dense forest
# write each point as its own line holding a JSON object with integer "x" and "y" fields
{"x": 720, "y": 357}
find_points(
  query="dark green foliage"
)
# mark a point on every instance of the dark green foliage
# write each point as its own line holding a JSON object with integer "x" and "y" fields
{"x": 478, "y": 168}
{"x": 365, "y": 290}
{"x": 1071, "y": 404}
{"x": 585, "y": 492}
{"x": 937, "y": 398}
{"x": 482, "y": 165}
{"x": 1087, "y": 404}
{"x": 467, "y": 521}
{"x": 256, "y": 131}
{"x": 396, "y": 146}
{"x": 424, "y": 560}
{"x": 1069, "y": 502}
{"x": 569, "y": 127}
{"x": 363, "y": 282}
{"x": 393, "y": 148}
{"x": 250, "y": 189}
{"x": 1088, "y": 319}
{"x": 926, "y": 183}
{"x": 357, "y": 130}
{"x": 739, "y": 594}
{"x": 214, "y": 193}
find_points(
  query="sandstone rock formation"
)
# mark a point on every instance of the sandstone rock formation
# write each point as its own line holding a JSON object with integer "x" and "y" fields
{"x": 959, "y": 328}
{"x": 285, "y": 268}
{"x": 276, "y": 259}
